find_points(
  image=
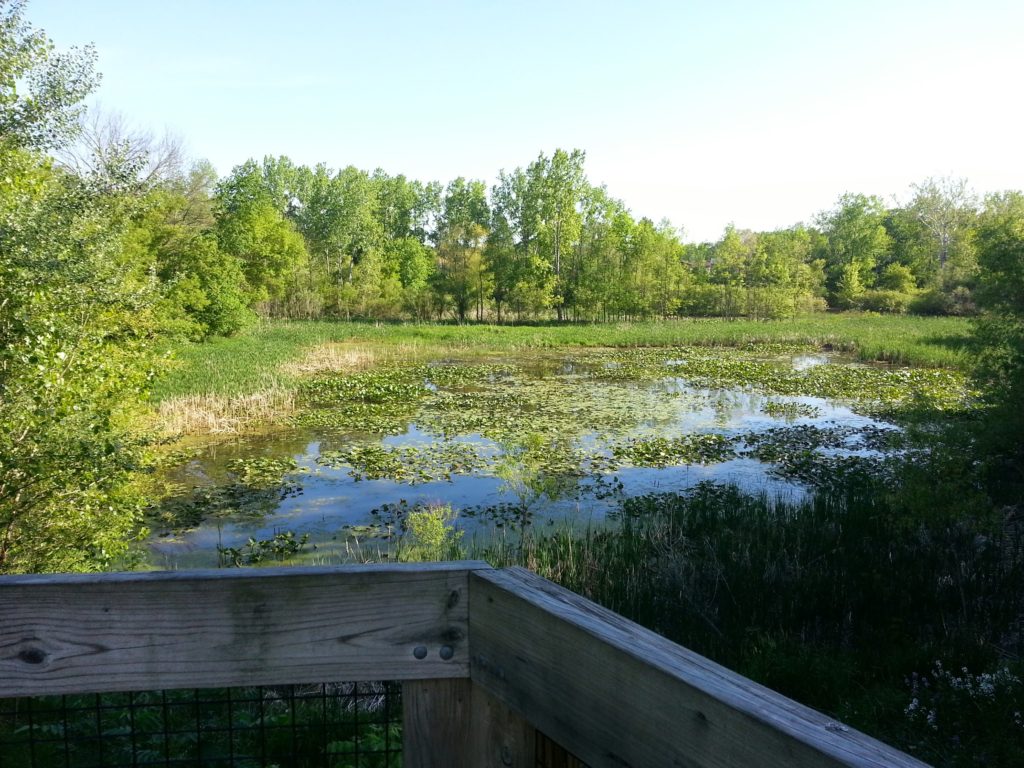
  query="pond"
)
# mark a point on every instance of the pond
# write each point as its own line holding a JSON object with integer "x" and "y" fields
{"x": 532, "y": 440}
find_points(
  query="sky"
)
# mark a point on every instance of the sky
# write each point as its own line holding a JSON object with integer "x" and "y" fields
{"x": 755, "y": 113}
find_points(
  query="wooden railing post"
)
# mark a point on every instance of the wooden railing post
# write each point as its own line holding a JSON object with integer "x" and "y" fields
{"x": 455, "y": 724}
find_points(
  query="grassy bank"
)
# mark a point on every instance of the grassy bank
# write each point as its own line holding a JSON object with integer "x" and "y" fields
{"x": 257, "y": 359}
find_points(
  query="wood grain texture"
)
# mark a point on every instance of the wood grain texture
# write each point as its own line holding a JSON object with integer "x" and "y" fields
{"x": 455, "y": 724}
{"x": 499, "y": 737}
{"x": 615, "y": 694}
{"x": 435, "y": 723}
{"x": 552, "y": 755}
{"x": 268, "y": 626}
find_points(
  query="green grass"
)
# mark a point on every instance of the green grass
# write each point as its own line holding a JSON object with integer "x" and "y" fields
{"x": 252, "y": 360}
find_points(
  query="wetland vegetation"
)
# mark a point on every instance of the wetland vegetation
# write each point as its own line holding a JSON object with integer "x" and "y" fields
{"x": 772, "y": 495}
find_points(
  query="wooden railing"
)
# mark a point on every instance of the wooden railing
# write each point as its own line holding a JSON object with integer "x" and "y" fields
{"x": 488, "y": 658}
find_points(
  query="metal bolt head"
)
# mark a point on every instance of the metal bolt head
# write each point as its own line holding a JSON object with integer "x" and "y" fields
{"x": 420, "y": 651}
{"x": 447, "y": 652}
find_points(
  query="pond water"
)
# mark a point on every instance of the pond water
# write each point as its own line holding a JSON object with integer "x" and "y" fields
{"x": 505, "y": 441}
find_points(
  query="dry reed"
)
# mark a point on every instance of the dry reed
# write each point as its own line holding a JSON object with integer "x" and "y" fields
{"x": 224, "y": 414}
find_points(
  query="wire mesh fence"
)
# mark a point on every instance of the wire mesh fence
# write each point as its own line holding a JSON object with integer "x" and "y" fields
{"x": 329, "y": 725}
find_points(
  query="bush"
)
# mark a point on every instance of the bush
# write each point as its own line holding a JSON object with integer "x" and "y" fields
{"x": 763, "y": 303}
{"x": 430, "y": 534}
{"x": 892, "y": 302}
{"x": 959, "y": 302}
{"x": 962, "y": 718}
{"x": 931, "y": 302}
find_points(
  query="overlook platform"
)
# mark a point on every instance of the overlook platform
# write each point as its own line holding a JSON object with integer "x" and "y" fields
{"x": 498, "y": 667}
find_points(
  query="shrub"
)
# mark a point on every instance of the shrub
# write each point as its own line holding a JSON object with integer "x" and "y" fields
{"x": 931, "y": 302}
{"x": 893, "y": 302}
{"x": 430, "y": 534}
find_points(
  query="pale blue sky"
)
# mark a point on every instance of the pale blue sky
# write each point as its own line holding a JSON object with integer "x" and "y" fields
{"x": 759, "y": 113}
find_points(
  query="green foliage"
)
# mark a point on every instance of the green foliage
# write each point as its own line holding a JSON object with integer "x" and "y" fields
{"x": 41, "y": 90}
{"x": 855, "y": 241}
{"x": 430, "y": 535}
{"x": 896, "y": 277}
{"x": 282, "y": 546}
{"x": 892, "y": 302}
{"x": 1000, "y": 329}
{"x": 252, "y": 229}
{"x": 849, "y": 290}
{"x": 73, "y": 326}
{"x": 202, "y": 288}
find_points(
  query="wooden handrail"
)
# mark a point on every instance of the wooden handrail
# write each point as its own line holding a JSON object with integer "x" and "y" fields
{"x": 495, "y": 655}
{"x": 616, "y": 694}
{"x": 207, "y": 628}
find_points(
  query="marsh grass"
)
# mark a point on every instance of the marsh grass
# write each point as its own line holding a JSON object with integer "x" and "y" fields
{"x": 271, "y": 353}
{"x": 837, "y": 601}
{"x": 331, "y": 357}
{"x": 218, "y": 414}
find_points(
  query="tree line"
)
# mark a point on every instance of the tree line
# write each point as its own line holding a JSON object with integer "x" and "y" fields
{"x": 283, "y": 240}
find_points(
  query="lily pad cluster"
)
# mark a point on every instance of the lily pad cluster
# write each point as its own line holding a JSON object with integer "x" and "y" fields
{"x": 787, "y": 409}
{"x": 407, "y": 464}
{"x": 698, "y": 448}
{"x": 252, "y": 489}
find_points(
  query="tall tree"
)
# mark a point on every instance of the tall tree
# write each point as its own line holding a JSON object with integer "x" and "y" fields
{"x": 461, "y": 233}
{"x": 73, "y": 324}
{"x": 562, "y": 186}
{"x": 1000, "y": 329}
{"x": 946, "y": 210}
{"x": 522, "y": 277}
{"x": 856, "y": 241}
{"x": 251, "y": 227}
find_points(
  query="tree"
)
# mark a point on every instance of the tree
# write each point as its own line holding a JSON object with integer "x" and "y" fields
{"x": 129, "y": 159}
{"x": 203, "y": 290}
{"x": 856, "y": 240}
{"x": 44, "y": 113}
{"x": 561, "y": 184}
{"x": 73, "y": 325}
{"x": 252, "y": 228}
{"x": 461, "y": 231}
{"x": 522, "y": 277}
{"x": 946, "y": 209}
{"x": 1000, "y": 329}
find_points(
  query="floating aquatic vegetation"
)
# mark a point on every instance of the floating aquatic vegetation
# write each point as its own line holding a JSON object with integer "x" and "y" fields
{"x": 786, "y": 409}
{"x": 282, "y": 546}
{"x": 254, "y": 488}
{"x": 262, "y": 471}
{"x": 388, "y": 385}
{"x": 699, "y": 448}
{"x": 369, "y": 418}
{"x": 407, "y": 464}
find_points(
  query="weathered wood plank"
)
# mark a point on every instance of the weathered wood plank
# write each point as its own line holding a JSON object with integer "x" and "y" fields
{"x": 615, "y": 694}
{"x": 455, "y": 724}
{"x": 552, "y": 755}
{"x": 435, "y": 723}
{"x": 268, "y": 626}
{"x": 499, "y": 737}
